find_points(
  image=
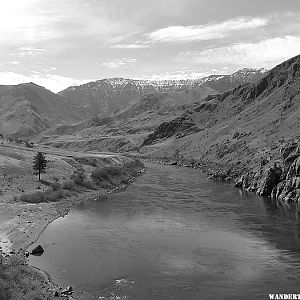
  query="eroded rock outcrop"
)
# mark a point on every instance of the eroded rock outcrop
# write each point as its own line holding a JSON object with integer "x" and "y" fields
{"x": 280, "y": 179}
{"x": 177, "y": 127}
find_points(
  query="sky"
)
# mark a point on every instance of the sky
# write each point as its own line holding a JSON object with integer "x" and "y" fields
{"x": 59, "y": 43}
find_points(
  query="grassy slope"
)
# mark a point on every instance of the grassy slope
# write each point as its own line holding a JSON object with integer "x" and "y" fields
{"x": 22, "y": 222}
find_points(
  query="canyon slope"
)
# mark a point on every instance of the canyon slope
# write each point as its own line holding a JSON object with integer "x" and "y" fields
{"x": 147, "y": 104}
{"x": 27, "y": 109}
{"x": 249, "y": 116}
{"x": 253, "y": 129}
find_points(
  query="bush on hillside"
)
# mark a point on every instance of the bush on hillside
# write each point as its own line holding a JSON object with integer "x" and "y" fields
{"x": 69, "y": 185}
{"x": 78, "y": 176}
{"x": 40, "y": 197}
{"x": 100, "y": 175}
{"x": 55, "y": 186}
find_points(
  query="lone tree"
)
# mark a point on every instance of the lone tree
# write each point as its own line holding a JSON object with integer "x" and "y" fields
{"x": 39, "y": 164}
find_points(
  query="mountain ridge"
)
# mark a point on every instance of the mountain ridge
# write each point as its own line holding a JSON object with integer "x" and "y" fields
{"x": 27, "y": 109}
{"x": 105, "y": 96}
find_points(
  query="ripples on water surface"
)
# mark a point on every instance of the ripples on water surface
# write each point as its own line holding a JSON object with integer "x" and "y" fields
{"x": 175, "y": 235}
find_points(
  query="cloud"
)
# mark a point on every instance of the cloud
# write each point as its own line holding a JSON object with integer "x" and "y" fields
{"x": 266, "y": 53}
{"x": 55, "y": 83}
{"x": 21, "y": 21}
{"x": 70, "y": 22}
{"x": 205, "y": 32}
{"x": 176, "y": 75}
{"x": 7, "y": 63}
{"x": 120, "y": 63}
{"x": 27, "y": 51}
{"x": 129, "y": 46}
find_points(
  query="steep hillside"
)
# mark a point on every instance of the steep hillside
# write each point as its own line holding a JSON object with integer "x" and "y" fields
{"x": 162, "y": 102}
{"x": 108, "y": 95}
{"x": 125, "y": 129}
{"x": 139, "y": 118}
{"x": 27, "y": 109}
{"x": 222, "y": 83}
{"x": 238, "y": 129}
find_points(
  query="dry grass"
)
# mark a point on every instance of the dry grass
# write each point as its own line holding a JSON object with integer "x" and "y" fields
{"x": 19, "y": 282}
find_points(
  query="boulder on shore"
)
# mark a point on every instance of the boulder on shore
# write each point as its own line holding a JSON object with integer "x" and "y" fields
{"x": 68, "y": 291}
{"x": 38, "y": 250}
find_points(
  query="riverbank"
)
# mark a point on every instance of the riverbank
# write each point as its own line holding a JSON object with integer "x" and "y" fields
{"x": 276, "y": 174}
{"x": 171, "y": 230}
{"x": 21, "y": 222}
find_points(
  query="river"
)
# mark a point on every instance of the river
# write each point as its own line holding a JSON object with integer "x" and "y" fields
{"x": 175, "y": 235}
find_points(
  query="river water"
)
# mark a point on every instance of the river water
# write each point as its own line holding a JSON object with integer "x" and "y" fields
{"x": 174, "y": 235}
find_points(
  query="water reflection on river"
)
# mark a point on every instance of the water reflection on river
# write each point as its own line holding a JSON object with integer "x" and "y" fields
{"x": 175, "y": 235}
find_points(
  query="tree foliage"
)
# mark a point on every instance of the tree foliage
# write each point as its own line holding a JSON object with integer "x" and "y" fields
{"x": 39, "y": 164}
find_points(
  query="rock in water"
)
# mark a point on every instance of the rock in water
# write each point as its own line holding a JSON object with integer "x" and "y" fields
{"x": 38, "y": 250}
{"x": 68, "y": 291}
{"x": 56, "y": 294}
{"x": 270, "y": 180}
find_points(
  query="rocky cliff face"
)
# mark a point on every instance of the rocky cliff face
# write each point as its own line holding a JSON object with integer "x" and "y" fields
{"x": 108, "y": 95}
{"x": 178, "y": 128}
{"x": 279, "y": 178}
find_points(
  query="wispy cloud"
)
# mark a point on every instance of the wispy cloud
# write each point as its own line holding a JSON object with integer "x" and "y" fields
{"x": 265, "y": 53}
{"x": 8, "y": 63}
{"x": 21, "y": 21}
{"x": 27, "y": 51}
{"x": 176, "y": 75}
{"x": 205, "y": 32}
{"x": 130, "y": 46}
{"x": 120, "y": 63}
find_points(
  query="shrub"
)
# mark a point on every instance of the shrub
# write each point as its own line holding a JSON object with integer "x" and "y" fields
{"x": 114, "y": 171}
{"x": 106, "y": 176}
{"x": 69, "y": 185}
{"x": 105, "y": 185}
{"x": 39, "y": 197}
{"x": 99, "y": 175}
{"x": 55, "y": 186}
{"x": 89, "y": 185}
{"x": 28, "y": 145}
{"x": 78, "y": 177}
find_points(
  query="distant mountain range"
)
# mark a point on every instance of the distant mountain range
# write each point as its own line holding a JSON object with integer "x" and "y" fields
{"x": 109, "y": 95}
{"x": 28, "y": 109}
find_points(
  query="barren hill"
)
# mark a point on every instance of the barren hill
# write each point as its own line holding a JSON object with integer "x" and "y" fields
{"x": 27, "y": 109}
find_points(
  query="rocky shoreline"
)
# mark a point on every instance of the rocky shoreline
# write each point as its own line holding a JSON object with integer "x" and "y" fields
{"x": 38, "y": 217}
{"x": 277, "y": 176}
